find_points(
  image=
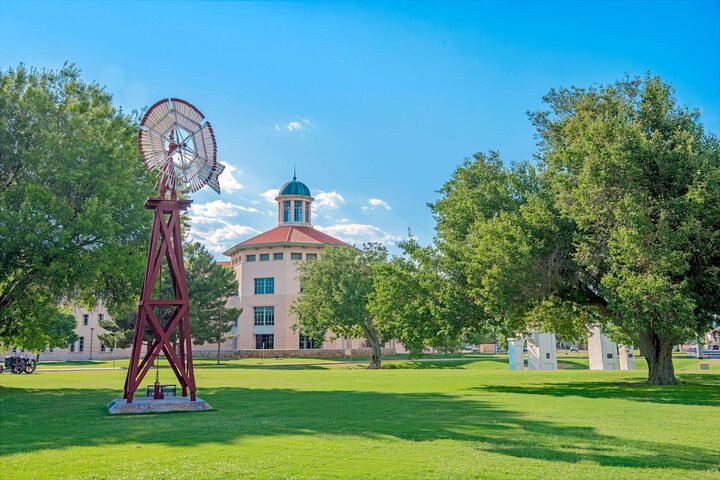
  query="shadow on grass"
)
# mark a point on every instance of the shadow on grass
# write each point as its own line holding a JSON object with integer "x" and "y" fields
{"x": 694, "y": 392}
{"x": 56, "y": 419}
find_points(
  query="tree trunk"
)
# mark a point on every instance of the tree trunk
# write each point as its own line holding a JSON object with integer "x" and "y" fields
{"x": 374, "y": 341}
{"x": 218, "y": 354}
{"x": 658, "y": 353}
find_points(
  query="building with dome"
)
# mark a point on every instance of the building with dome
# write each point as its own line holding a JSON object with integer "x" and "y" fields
{"x": 266, "y": 270}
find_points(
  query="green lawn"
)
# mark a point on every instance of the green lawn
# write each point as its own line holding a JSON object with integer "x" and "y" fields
{"x": 459, "y": 418}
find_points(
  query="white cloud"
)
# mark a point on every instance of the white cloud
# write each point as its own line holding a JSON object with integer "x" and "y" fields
{"x": 228, "y": 182}
{"x": 359, "y": 233}
{"x": 299, "y": 124}
{"x": 328, "y": 199}
{"x": 216, "y": 234}
{"x": 218, "y": 208}
{"x": 376, "y": 203}
{"x": 270, "y": 195}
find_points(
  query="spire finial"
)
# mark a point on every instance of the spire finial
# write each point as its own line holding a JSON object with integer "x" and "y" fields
{"x": 294, "y": 174}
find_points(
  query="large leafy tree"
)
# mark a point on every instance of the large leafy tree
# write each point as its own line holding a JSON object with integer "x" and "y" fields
{"x": 209, "y": 285}
{"x": 617, "y": 223}
{"x": 335, "y": 295}
{"x": 72, "y": 187}
{"x": 639, "y": 179}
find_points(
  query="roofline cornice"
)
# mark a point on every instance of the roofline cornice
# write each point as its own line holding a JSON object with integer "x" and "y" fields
{"x": 239, "y": 247}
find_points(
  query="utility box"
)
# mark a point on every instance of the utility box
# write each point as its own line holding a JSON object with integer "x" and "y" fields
{"x": 542, "y": 351}
{"x": 602, "y": 351}
{"x": 627, "y": 357}
{"x": 515, "y": 353}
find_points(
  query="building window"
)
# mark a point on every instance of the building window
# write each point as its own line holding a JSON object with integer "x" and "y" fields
{"x": 307, "y": 212}
{"x": 72, "y": 347}
{"x": 102, "y": 347}
{"x": 264, "y": 257}
{"x": 307, "y": 343}
{"x": 286, "y": 211}
{"x": 264, "y": 286}
{"x": 264, "y": 316}
{"x": 86, "y": 318}
{"x": 265, "y": 342}
{"x": 277, "y": 256}
{"x": 81, "y": 347}
{"x": 249, "y": 258}
{"x": 298, "y": 211}
{"x": 296, "y": 256}
{"x": 101, "y": 317}
{"x": 311, "y": 256}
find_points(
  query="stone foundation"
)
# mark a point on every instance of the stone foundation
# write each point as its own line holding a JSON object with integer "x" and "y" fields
{"x": 140, "y": 405}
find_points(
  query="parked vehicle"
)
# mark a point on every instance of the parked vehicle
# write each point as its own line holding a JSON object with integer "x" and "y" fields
{"x": 17, "y": 364}
{"x": 573, "y": 348}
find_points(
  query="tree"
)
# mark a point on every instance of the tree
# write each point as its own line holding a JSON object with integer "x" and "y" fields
{"x": 59, "y": 332}
{"x": 336, "y": 290}
{"x": 120, "y": 329}
{"x": 414, "y": 302}
{"x": 209, "y": 285}
{"x": 640, "y": 180}
{"x": 617, "y": 224}
{"x": 72, "y": 188}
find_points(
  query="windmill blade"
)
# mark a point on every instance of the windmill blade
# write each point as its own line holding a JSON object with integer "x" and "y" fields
{"x": 178, "y": 143}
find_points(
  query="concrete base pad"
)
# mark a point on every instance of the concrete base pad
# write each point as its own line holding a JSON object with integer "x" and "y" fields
{"x": 119, "y": 406}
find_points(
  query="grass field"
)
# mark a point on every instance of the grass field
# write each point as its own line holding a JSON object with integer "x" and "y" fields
{"x": 457, "y": 418}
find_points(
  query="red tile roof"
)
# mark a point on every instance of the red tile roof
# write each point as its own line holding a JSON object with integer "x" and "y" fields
{"x": 225, "y": 263}
{"x": 289, "y": 234}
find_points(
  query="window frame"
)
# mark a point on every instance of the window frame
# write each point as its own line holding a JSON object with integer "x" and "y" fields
{"x": 295, "y": 255}
{"x": 261, "y": 336}
{"x": 250, "y": 257}
{"x": 287, "y": 211}
{"x": 264, "y": 285}
{"x": 264, "y": 316}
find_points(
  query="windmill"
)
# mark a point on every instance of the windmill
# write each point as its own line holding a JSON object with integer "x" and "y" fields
{"x": 178, "y": 143}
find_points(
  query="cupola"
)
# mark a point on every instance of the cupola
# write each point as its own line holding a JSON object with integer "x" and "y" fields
{"x": 294, "y": 201}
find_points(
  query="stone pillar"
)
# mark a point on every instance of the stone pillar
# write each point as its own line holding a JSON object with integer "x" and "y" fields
{"x": 602, "y": 351}
{"x": 542, "y": 352}
{"x": 515, "y": 352}
{"x": 627, "y": 357}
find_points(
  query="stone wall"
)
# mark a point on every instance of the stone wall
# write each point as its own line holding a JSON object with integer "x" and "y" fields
{"x": 314, "y": 353}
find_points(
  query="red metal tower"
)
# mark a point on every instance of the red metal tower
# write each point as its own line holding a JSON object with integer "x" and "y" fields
{"x": 176, "y": 141}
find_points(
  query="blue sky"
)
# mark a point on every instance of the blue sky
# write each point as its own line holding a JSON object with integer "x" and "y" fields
{"x": 375, "y": 104}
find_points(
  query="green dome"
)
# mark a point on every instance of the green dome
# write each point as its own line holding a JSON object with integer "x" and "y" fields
{"x": 293, "y": 187}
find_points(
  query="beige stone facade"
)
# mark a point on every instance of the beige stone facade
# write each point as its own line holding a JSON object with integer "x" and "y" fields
{"x": 266, "y": 270}
{"x": 88, "y": 346}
